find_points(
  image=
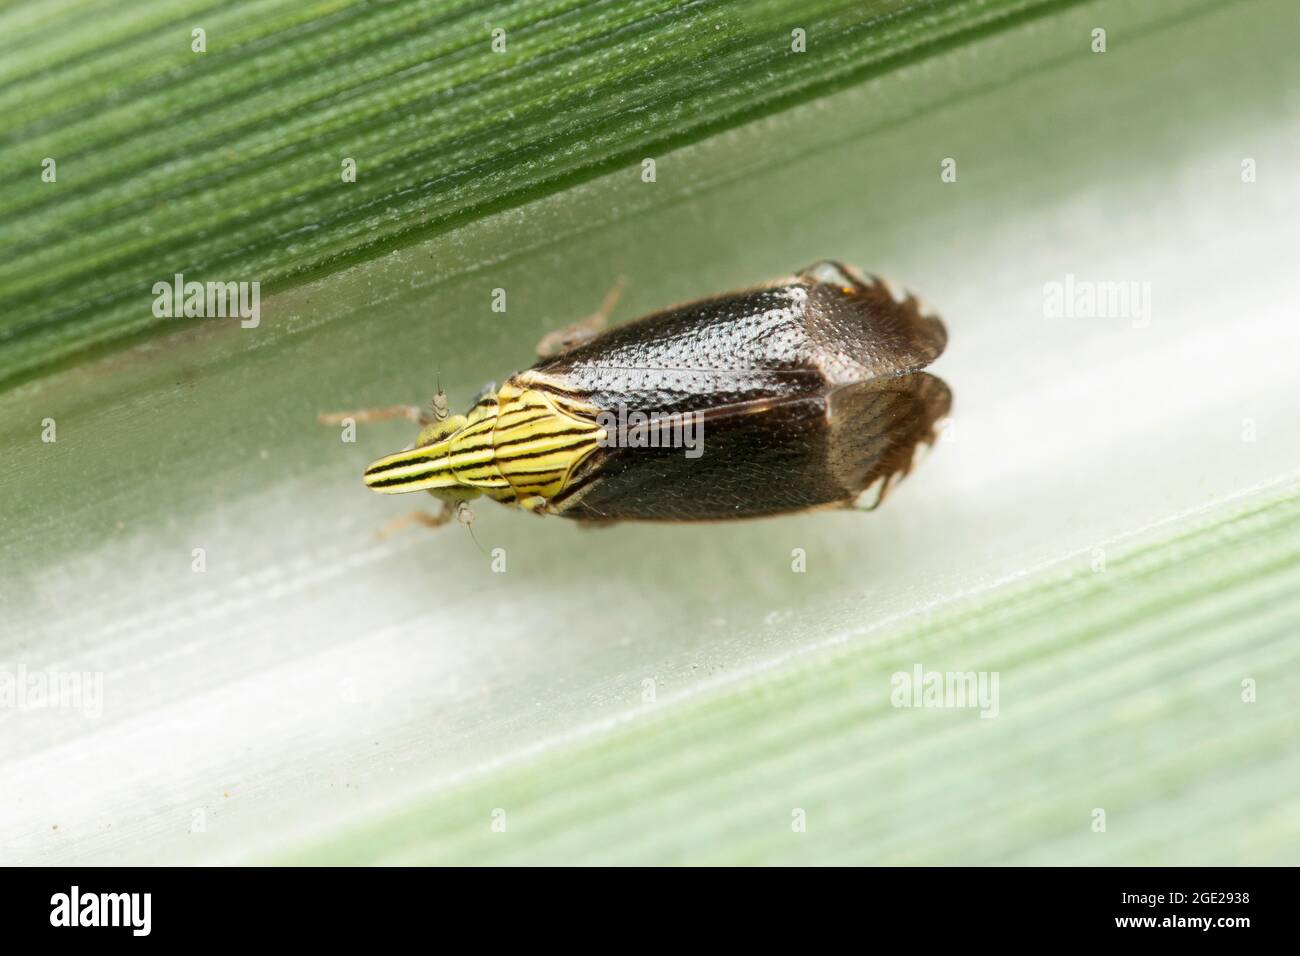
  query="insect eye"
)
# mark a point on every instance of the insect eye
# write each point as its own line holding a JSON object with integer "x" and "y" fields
{"x": 439, "y": 403}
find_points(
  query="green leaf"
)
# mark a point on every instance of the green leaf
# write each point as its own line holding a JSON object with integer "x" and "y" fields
{"x": 225, "y": 165}
{"x": 1125, "y": 685}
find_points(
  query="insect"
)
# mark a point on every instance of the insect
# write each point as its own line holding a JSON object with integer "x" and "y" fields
{"x": 802, "y": 393}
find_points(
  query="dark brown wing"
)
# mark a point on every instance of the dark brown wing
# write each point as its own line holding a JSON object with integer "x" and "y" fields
{"x": 823, "y": 328}
{"x": 767, "y": 457}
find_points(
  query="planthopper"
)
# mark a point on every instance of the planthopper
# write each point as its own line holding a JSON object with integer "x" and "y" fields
{"x": 806, "y": 392}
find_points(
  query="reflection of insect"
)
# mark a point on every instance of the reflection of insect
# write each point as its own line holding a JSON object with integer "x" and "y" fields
{"x": 806, "y": 392}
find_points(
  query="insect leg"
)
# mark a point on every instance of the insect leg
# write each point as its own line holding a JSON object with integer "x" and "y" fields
{"x": 412, "y": 412}
{"x": 880, "y": 495}
{"x": 435, "y": 413}
{"x": 443, "y": 516}
{"x": 561, "y": 340}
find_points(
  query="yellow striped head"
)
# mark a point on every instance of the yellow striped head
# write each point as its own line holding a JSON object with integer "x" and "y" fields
{"x": 423, "y": 468}
{"x": 519, "y": 446}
